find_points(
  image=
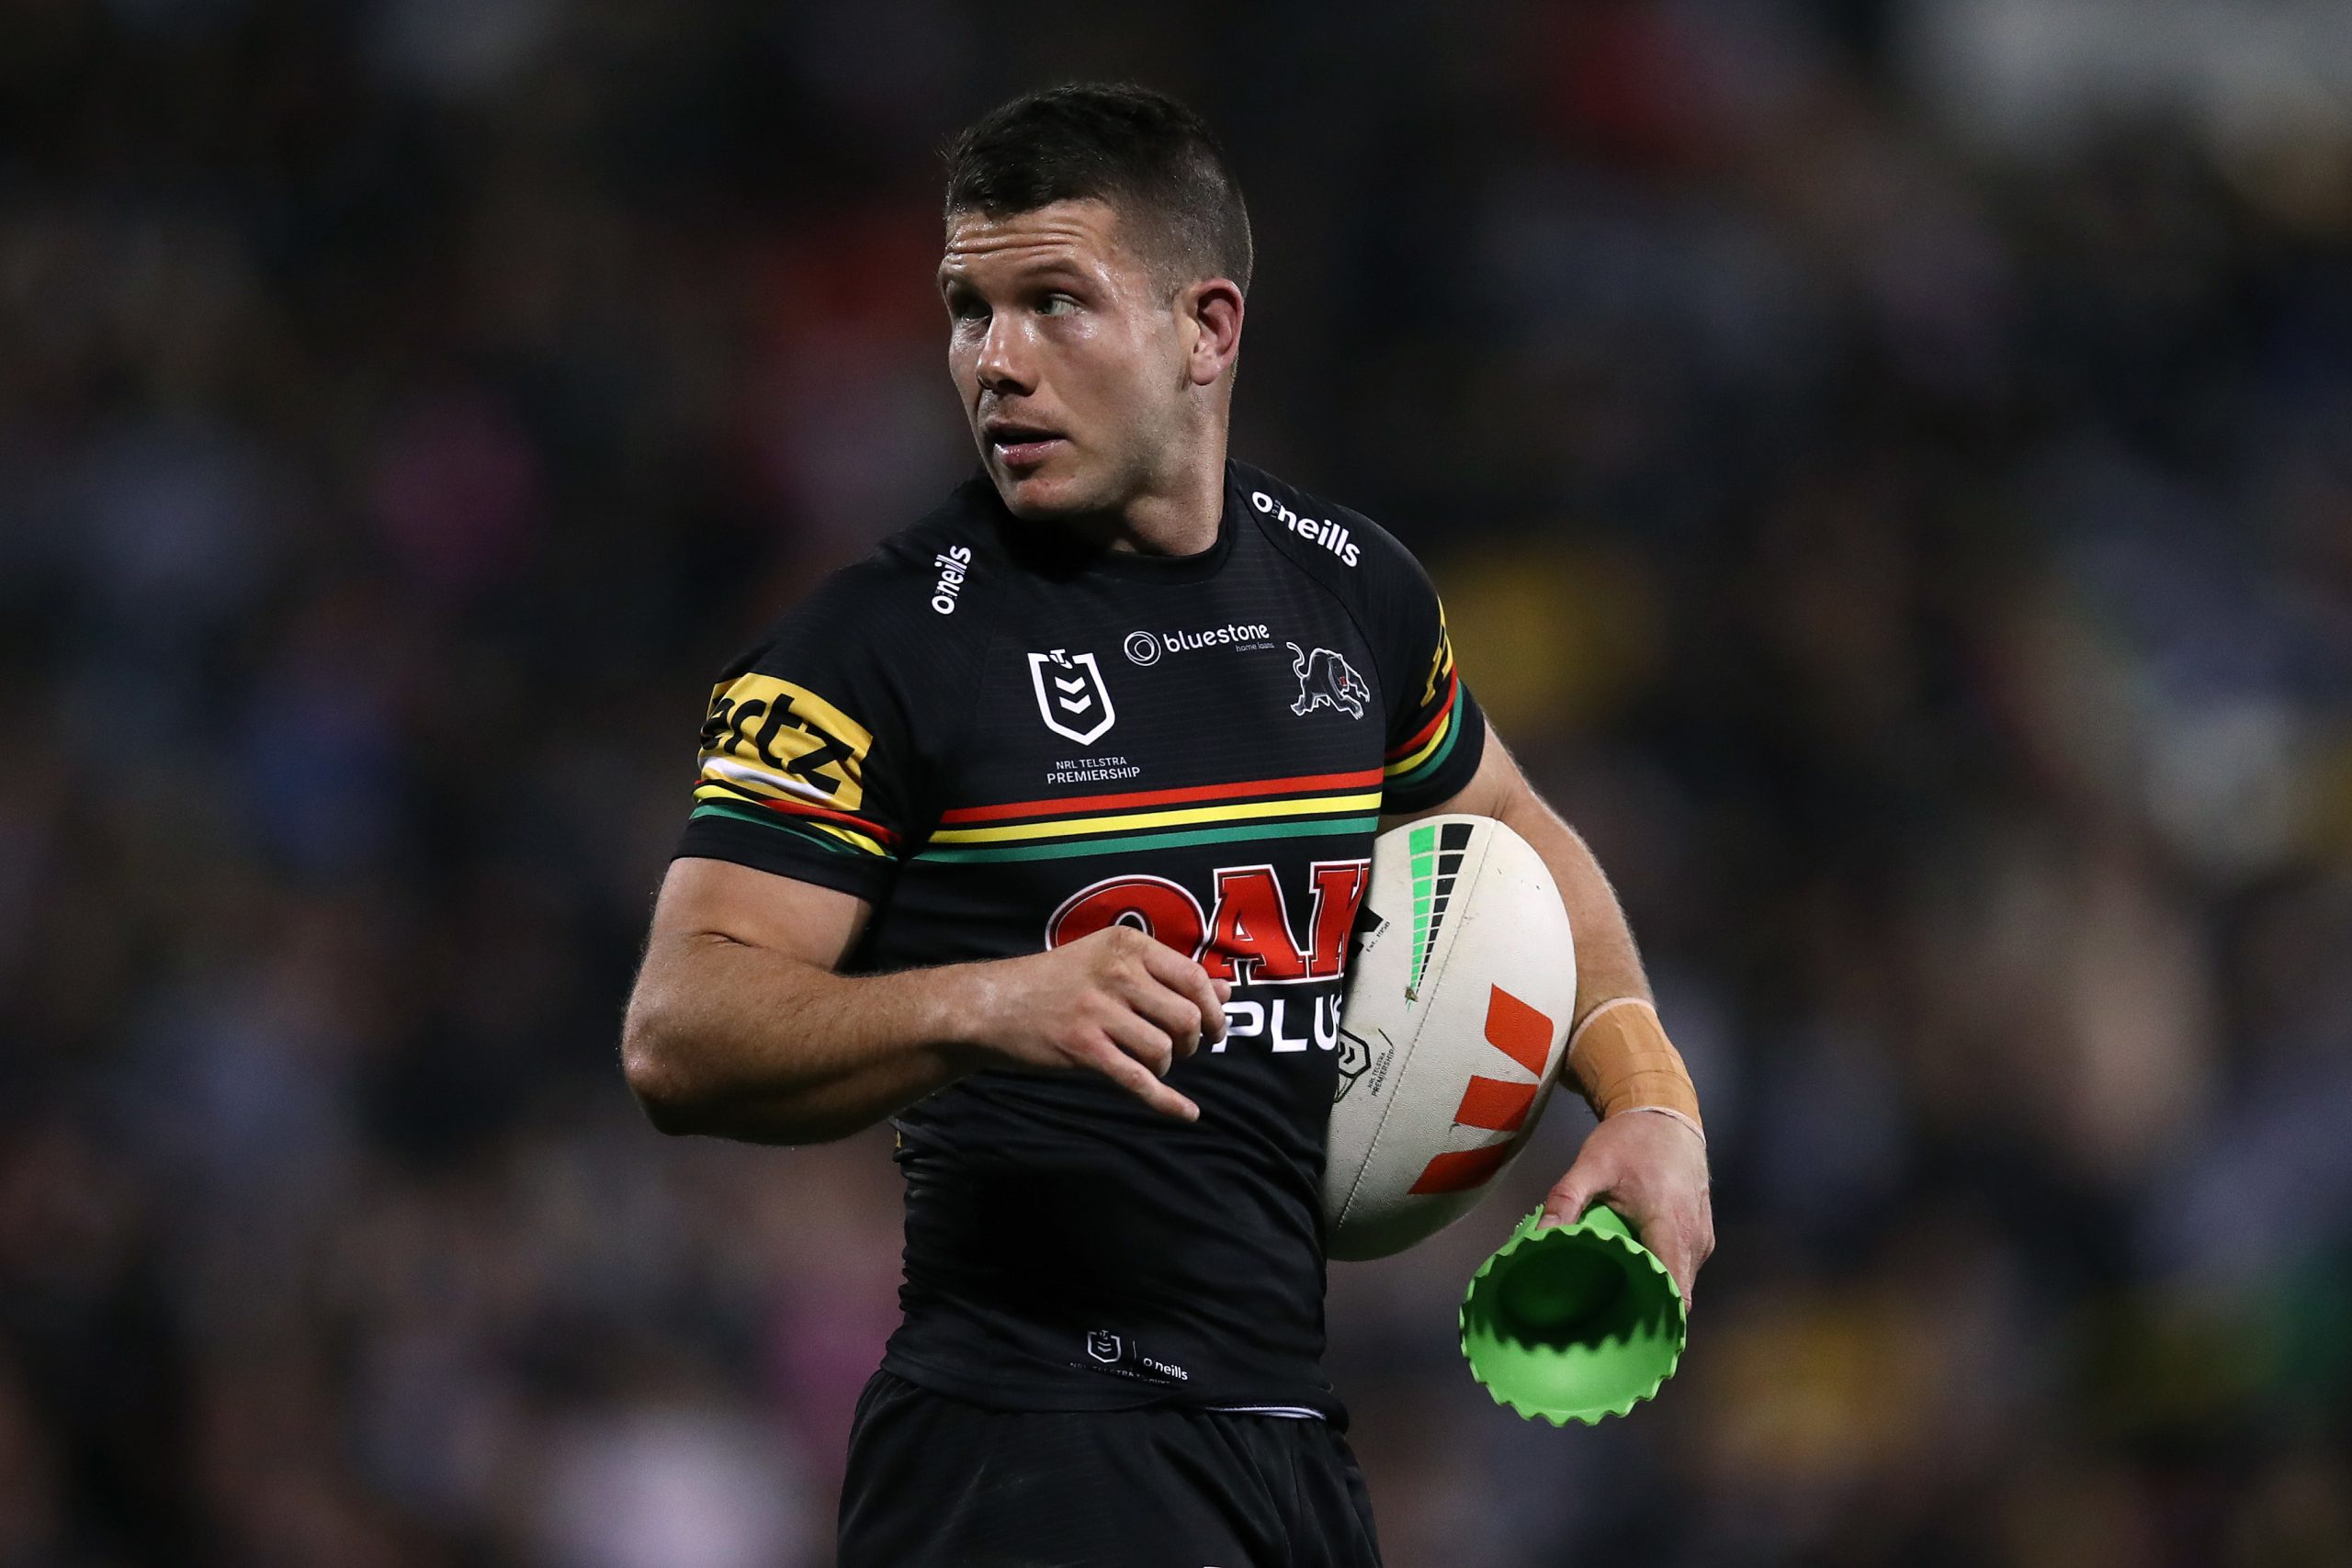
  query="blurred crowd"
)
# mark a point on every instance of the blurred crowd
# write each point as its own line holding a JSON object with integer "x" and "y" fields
{"x": 1908, "y": 529}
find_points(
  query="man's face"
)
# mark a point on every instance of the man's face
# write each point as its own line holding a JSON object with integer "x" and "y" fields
{"x": 1070, "y": 359}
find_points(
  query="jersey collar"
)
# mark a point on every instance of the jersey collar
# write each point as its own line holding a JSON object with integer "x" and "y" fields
{"x": 1050, "y": 545}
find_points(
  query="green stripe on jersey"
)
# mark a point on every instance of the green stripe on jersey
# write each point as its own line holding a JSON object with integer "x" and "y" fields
{"x": 779, "y": 821}
{"x": 1435, "y": 760}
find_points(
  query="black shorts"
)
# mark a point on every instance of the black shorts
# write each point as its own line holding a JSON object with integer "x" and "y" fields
{"x": 935, "y": 1481}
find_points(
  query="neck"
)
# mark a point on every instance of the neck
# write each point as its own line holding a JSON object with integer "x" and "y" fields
{"x": 1177, "y": 515}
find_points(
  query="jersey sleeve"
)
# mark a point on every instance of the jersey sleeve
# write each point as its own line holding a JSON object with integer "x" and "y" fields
{"x": 808, "y": 761}
{"x": 1435, "y": 730}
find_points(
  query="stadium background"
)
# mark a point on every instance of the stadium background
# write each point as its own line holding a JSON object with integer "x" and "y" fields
{"x": 1891, "y": 471}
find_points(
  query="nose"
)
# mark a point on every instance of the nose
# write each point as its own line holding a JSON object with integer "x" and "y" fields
{"x": 1003, "y": 362}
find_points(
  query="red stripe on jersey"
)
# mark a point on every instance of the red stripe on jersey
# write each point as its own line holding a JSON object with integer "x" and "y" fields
{"x": 802, "y": 808}
{"x": 1420, "y": 736}
{"x": 1070, "y": 804}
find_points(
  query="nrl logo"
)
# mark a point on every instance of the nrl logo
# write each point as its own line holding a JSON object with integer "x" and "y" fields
{"x": 1354, "y": 1057}
{"x": 1078, "y": 705}
{"x": 1325, "y": 680}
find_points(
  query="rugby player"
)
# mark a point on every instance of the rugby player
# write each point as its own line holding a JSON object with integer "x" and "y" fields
{"x": 1040, "y": 832}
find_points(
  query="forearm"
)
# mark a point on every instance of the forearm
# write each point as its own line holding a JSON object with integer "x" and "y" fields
{"x": 1618, "y": 1055}
{"x": 1608, "y": 964}
{"x": 1624, "y": 1061}
{"x": 741, "y": 1042}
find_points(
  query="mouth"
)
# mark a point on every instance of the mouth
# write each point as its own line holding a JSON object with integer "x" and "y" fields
{"x": 1018, "y": 445}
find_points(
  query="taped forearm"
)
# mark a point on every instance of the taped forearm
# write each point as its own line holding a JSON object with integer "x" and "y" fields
{"x": 1621, "y": 1060}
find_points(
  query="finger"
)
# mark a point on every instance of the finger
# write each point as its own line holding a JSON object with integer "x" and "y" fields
{"x": 1144, "y": 1041}
{"x": 1568, "y": 1201}
{"x": 1173, "y": 1011}
{"x": 1669, "y": 1246}
{"x": 1592, "y": 1178}
{"x": 1204, "y": 995}
{"x": 1191, "y": 982}
{"x": 1699, "y": 1246}
{"x": 1137, "y": 1081}
{"x": 1667, "y": 1239}
{"x": 1187, "y": 979}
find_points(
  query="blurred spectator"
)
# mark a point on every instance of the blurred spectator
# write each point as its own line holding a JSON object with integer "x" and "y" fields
{"x": 1888, "y": 466}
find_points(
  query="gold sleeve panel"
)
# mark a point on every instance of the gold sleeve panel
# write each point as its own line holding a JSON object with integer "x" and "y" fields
{"x": 764, "y": 736}
{"x": 1621, "y": 1060}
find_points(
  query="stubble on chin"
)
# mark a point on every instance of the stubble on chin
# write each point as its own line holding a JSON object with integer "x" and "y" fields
{"x": 1032, "y": 502}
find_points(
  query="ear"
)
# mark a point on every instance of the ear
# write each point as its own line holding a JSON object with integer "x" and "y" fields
{"x": 1213, "y": 309}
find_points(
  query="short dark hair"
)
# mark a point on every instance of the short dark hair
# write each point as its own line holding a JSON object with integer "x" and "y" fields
{"x": 1150, "y": 158}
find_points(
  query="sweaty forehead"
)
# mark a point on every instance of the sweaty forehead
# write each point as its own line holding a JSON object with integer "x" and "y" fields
{"x": 1079, "y": 233}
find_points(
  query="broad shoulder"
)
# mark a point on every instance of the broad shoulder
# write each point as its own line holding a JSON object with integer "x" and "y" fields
{"x": 1336, "y": 543}
{"x": 936, "y": 579}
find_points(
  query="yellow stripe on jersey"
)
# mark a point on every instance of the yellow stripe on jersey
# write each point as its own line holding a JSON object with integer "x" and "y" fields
{"x": 1436, "y": 740}
{"x": 748, "y": 807}
{"x": 1440, "y": 661}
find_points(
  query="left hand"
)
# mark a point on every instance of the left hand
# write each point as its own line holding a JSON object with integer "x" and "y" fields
{"x": 1653, "y": 1170}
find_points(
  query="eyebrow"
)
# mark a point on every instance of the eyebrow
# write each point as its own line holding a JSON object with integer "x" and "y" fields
{"x": 1030, "y": 272}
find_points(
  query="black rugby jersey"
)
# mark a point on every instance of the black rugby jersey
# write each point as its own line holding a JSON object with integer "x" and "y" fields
{"x": 1005, "y": 738}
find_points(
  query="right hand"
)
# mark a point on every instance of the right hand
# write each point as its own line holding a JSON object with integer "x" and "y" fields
{"x": 1116, "y": 1002}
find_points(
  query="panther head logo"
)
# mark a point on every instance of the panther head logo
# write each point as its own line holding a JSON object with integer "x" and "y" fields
{"x": 1326, "y": 679}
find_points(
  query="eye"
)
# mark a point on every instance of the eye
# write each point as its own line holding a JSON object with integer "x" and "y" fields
{"x": 965, "y": 306}
{"x": 1058, "y": 304}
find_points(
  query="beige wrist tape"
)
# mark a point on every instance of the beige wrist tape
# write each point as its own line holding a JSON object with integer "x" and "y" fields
{"x": 1621, "y": 1060}
{"x": 1685, "y": 1119}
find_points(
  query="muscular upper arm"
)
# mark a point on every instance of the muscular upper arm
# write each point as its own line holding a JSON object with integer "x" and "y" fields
{"x": 707, "y": 901}
{"x": 707, "y": 905}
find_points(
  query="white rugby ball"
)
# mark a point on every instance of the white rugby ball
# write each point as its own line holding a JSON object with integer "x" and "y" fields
{"x": 1460, "y": 990}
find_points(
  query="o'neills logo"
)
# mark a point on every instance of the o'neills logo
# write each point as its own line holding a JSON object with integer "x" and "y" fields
{"x": 1145, "y": 648}
{"x": 1332, "y": 536}
{"x": 952, "y": 563}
